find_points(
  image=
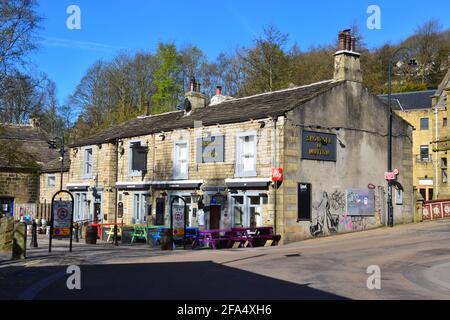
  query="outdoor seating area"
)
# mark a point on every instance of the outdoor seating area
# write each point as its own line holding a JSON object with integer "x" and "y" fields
{"x": 214, "y": 239}
{"x": 236, "y": 238}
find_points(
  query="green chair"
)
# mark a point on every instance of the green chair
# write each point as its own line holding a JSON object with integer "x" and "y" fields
{"x": 139, "y": 232}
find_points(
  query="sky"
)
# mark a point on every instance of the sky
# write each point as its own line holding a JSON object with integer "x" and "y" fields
{"x": 111, "y": 26}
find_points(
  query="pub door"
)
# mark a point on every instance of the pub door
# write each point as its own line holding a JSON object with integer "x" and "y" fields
{"x": 214, "y": 217}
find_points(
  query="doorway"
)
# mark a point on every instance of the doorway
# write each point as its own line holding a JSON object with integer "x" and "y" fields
{"x": 6, "y": 207}
{"x": 214, "y": 217}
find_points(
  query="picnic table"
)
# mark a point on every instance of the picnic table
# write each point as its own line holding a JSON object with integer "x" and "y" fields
{"x": 228, "y": 238}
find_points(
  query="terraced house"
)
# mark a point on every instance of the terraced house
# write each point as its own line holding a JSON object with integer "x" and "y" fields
{"x": 329, "y": 138}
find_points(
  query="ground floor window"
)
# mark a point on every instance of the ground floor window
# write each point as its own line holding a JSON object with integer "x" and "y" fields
{"x": 81, "y": 209}
{"x": 246, "y": 210}
{"x": 139, "y": 208}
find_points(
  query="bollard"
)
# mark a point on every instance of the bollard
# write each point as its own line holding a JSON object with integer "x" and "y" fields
{"x": 76, "y": 233}
{"x": 20, "y": 241}
{"x": 34, "y": 242}
{"x": 116, "y": 243}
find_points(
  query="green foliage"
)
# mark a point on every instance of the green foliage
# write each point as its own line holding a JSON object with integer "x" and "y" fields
{"x": 166, "y": 78}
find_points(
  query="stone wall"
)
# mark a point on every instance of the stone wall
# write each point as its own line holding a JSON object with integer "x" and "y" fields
{"x": 360, "y": 123}
{"x": 23, "y": 187}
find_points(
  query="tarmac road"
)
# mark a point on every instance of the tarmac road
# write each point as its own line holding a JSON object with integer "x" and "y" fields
{"x": 414, "y": 261}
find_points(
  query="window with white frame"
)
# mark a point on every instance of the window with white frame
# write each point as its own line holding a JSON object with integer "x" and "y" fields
{"x": 139, "y": 208}
{"x": 51, "y": 180}
{"x": 246, "y": 155}
{"x": 181, "y": 160}
{"x": 81, "y": 209}
{"x": 88, "y": 163}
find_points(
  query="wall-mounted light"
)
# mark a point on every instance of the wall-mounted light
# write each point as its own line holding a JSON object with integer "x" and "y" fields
{"x": 162, "y": 137}
{"x": 262, "y": 124}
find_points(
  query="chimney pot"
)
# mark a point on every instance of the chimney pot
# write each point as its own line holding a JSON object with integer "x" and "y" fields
{"x": 192, "y": 86}
{"x": 347, "y": 63}
{"x": 218, "y": 90}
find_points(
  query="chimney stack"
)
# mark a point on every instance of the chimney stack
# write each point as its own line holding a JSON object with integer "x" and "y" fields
{"x": 146, "y": 109}
{"x": 218, "y": 90}
{"x": 34, "y": 122}
{"x": 346, "y": 61}
{"x": 195, "y": 97}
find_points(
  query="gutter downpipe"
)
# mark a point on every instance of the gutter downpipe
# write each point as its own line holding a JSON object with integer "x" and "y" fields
{"x": 116, "y": 243}
{"x": 436, "y": 152}
{"x": 275, "y": 184}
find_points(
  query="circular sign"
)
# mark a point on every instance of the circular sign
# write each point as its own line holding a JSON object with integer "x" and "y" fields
{"x": 62, "y": 213}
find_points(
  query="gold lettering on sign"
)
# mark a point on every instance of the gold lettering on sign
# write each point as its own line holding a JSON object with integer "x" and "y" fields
{"x": 320, "y": 143}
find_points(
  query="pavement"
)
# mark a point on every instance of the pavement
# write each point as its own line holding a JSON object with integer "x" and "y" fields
{"x": 414, "y": 261}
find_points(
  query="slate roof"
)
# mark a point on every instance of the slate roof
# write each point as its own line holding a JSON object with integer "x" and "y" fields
{"x": 255, "y": 107}
{"x": 23, "y": 147}
{"x": 410, "y": 100}
{"x": 55, "y": 165}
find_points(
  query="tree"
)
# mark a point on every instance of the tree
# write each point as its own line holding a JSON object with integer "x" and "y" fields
{"x": 266, "y": 64}
{"x": 19, "y": 23}
{"x": 166, "y": 78}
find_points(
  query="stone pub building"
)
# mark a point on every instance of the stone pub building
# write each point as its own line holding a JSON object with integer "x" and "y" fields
{"x": 327, "y": 142}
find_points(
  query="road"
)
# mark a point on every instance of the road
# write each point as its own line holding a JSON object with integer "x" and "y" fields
{"x": 414, "y": 261}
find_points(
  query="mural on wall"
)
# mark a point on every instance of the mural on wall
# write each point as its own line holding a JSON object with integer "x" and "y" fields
{"x": 342, "y": 211}
{"x": 326, "y": 213}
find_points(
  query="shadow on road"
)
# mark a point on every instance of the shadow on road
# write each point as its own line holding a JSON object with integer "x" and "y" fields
{"x": 181, "y": 280}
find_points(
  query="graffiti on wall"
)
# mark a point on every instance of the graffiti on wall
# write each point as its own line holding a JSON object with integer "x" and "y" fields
{"x": 326, "y": 213}
{"x": 331, "y": 215}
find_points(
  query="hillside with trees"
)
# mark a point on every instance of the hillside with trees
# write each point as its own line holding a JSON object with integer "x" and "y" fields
{"x": 113, "y": 91}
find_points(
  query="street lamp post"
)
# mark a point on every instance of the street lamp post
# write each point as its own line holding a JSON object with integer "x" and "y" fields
{"x": 54, "y": 145}
{"x": 412, "y": 62}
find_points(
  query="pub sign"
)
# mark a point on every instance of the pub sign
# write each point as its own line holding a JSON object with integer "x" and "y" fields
{"x": 318, "y": 146}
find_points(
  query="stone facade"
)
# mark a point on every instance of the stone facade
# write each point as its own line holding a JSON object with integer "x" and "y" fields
{"x": 49, "y": 184}
{"x": 348, "y": 111}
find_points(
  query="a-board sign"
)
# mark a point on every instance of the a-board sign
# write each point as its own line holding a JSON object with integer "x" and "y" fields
{"x": 62, "y": 217}
{"x": 178, "y": 220}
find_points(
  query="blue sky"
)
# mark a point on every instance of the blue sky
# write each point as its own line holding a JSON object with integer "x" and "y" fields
{"x": 111, "y": 26}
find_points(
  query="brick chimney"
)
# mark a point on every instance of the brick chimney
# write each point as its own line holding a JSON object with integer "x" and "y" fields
{"x": 346, "y": 60}
{"x": 196, "y": 98}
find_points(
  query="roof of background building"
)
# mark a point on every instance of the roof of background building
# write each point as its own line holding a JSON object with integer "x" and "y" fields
{"x": 410, "y": 100}
{"x": 55, "y": 165}
{"x": 259, "y": 106}
{"x": 23, "y": 147}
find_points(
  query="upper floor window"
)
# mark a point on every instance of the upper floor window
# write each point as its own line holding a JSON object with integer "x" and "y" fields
{"x": 181, "y": 160}
{"x": 88, "y": 162}
{"x": 444, "y": 122}
{"x": 424, "y": 124}
{"x": 246, "y": 155}
{"x": 137, "y": 160}
{"x": 424, "y": 154}
{"x": 51, "y": 180}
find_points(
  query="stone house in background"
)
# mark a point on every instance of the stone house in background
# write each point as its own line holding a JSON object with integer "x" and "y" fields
{"x": 23, "y": 150}
{"x": 417, "y": 109}
{"x": 329, "y": 138}
{"x": 50, "y": 181}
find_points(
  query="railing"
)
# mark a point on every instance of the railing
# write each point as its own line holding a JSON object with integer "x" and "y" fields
{"x": 436, "y": 209}
{"x": 424, "y": 159}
